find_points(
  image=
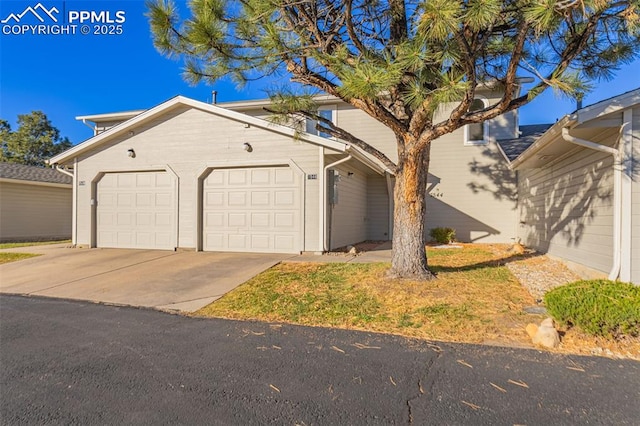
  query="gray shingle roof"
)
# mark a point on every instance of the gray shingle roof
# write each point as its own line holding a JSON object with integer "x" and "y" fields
{"x": 512, "y": 148}
{"x": 32, "y": 173}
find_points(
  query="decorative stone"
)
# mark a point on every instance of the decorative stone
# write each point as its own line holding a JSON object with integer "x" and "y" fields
{"x": 544, "y": 335}
{"x": 352, "y": 250}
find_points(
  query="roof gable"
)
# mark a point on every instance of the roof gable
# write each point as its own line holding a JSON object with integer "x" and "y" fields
{"x": 179, "y": 101}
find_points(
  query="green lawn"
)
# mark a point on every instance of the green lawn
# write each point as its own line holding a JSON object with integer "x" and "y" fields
{"x": 29, "y": 244}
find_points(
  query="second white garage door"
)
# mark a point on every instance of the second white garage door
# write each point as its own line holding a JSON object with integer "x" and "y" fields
{"x": 252, "y": 210}
{"x": 136, "y": 210}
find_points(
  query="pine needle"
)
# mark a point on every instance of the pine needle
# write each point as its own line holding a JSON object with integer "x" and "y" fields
{"x": 521, "y": 384}
{"x": 498, "y": 387}
{"x": 461, "y": 361}
{"x": 474, "y": 406}
{"x": 361, "y": 346}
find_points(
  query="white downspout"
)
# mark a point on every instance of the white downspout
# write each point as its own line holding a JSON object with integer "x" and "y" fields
{"x": 391, "y": 207}
{"x": 324, "y": 199}
{"x": 617, "y": 199}
{"x": 74, "y": 197}
{"x": 94, "y": 128}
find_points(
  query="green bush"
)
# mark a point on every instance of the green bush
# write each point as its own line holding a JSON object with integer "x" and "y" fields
{"x": 598, "y": 307}
{"x": 443, "y": 235}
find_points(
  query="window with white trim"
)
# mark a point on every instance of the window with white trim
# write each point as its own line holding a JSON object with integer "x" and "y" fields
{"x": 476, "y": 133}
{"x": 326, "y": 112}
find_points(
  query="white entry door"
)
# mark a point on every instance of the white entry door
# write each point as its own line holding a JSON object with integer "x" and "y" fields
{"x": 252, "y": 210}
{"x": 136, "y": 210}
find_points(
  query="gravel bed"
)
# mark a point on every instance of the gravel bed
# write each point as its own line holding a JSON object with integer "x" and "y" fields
{"x": 539, "y": 274}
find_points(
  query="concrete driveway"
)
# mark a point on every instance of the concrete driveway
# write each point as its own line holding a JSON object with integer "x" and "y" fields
{"x": 182, "y": 281}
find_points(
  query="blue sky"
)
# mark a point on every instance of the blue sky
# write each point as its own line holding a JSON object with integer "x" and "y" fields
{"x": 74, "y": 74}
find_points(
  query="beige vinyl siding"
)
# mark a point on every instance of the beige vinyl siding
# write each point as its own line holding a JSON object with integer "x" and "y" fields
{"x": 635, "y": 200}
{"x": 34, "y": 212}
{"x": 566, "y": 208}
{"x": 377, "y": 208}
{"x": 471, "y": 189}
{"x": 103, "y": 126}
{"x": 348, "y": 218}
{"x": 186, "y": 141}
{"x": 368, "y": 129}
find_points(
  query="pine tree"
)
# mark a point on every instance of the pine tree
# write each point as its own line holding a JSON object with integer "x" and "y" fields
{"x": 398, "y": 61}
{"x": 35, "y": 141}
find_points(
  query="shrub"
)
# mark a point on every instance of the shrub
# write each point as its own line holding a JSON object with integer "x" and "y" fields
{"x": 598, "y": 307}
{"x": 443, "y": 235}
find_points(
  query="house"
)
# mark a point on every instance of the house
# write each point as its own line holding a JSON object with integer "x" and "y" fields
{"x": 192, "y": 175}
{"x": 579, "y": 188}
{"x": 35, "y": 204}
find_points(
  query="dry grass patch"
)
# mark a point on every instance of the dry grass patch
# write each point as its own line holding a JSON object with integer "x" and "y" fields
{"x": 13, "y": 257}
{"x": 475, "y": 298}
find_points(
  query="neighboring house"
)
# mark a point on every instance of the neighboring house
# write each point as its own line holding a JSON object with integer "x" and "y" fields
{"x": 579, "y": 188}
{"x": 35, "y": 203}
{"x": 187, "y": 174}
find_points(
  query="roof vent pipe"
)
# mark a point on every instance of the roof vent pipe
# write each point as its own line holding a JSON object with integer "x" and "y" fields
{"x": 579, "y": 97}
{"x": 214, "y": 97}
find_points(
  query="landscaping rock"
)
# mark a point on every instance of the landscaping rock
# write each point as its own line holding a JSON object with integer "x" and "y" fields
{"x": 545, "y": 334}
{"x": 536, "y": 310}
{"x": 352, "y": 250}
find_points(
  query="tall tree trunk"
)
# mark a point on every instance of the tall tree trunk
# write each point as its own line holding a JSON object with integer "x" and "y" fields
{"x": 409, "y": 258}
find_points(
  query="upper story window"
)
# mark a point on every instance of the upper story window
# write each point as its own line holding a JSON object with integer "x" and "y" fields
{"x": 476, "y": 133}
{"x": 327, "y": 112}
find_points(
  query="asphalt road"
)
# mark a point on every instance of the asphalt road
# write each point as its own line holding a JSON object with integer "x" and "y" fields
{"x": 66, "y": 362}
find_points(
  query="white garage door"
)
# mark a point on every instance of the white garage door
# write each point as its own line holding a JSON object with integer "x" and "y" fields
{"x": 252, "y": 210}
{"x": 136, "y": 210}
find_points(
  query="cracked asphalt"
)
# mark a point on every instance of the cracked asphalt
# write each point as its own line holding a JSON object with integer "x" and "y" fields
{"x": 67, "y": 362}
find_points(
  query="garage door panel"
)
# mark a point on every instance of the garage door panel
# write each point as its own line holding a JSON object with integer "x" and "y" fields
{"x": 124, "y": 219}
{"x": 164, "y": 199}
{"x": 260, "y": 220}
{"x": 260, "y": 198}
{"x": 237, "y": 177}
{"x": 126, "y": 180}
{"x": 284, "y": 177}
{"x": 136, "y": 210}
{"x": 284, "y": 242}
{"x": 260, "y": 241}
{"x": 237, "y": 199}
{"x": 260, "y": 177}
{"x": 262, "y": 212}
{"x": 238, "y": 242}
{"x": 124, "y": 200}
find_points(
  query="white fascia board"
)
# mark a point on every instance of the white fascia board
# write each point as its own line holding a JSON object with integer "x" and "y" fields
{"x": 368, "y": 160}
{"x": 607, "y": 106}
{"x": 543, "y": 141}
{"x": 36, "y": 183}
{"x": 244, "y": 105}
{"x": 181, "y": 100}
{"x": 98, "y": 118}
